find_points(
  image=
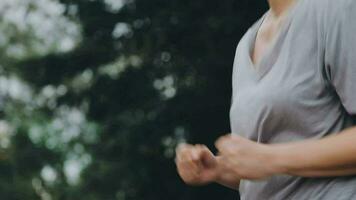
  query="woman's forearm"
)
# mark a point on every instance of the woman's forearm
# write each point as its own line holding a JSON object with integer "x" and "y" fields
{"x": 334, "y": 155}
{"x": 227, "y": 179}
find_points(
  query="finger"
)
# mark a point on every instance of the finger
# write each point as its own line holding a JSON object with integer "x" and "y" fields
{"x": 227, "y": 149}
{"x": 208, "y": 159}
{"x": 196, "y": 153}
{"x": 189, "y": 166}
{"x": 223, "y": 142}
{"x": 197, "y": 157}
{"x": 187, "y": 170}
{"x": 198, "y": 165}
{"x": 182, "y": 146}
{"x": 201, "y": 148}
{"x": 191, "y": 156}
{"x": 181, "y": 150}
{"x": 186, "y": 154}
{"x": 221, "y": 139}
{"x": 204, "y": 151}
{"x": 237, "y": 138}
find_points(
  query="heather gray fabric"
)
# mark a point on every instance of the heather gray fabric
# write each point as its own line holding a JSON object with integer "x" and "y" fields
{"x": 304, "y": 87}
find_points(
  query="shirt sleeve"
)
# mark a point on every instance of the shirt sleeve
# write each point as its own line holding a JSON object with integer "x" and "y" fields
{"x": 340, "y": 51}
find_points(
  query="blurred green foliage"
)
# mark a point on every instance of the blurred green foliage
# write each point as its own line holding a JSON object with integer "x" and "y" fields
{"x": 95, "y": 95}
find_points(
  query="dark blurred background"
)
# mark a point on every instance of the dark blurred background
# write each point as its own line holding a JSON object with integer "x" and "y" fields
{"x": 95, "y": 95}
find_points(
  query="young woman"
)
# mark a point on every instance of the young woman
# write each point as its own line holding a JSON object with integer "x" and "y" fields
{"x": 293, "y": 111}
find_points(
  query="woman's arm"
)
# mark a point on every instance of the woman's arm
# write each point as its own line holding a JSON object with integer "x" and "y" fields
{"x": 229, "y": 183}
{"x": 225, "y": 178}
{"x": 334, "y": 155}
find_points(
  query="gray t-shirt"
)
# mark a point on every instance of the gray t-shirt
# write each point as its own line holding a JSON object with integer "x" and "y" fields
{"x": 303, "y": 87}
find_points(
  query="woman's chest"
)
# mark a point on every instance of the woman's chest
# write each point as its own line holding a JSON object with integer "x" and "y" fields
{"x": 292, "y": 87}
{"x": 294, "y": 69}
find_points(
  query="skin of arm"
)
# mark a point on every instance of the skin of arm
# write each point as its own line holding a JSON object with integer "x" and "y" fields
{"x": 226, "y": 179}
{"x": 240, "y": 158}
{"x": 333, "y": 155}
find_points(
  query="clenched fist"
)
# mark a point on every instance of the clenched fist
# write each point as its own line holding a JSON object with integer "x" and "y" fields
{"x": 196, "y": 164}
{"x": 245, "y": 158}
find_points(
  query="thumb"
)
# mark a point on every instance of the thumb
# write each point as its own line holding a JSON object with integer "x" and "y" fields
{"x": 207, "y": 157}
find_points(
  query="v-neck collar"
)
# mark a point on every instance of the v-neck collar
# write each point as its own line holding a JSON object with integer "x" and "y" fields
{"x": 273, "y": 50}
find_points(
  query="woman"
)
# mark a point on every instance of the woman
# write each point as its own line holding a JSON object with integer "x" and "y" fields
{"x": 293, "y": 111}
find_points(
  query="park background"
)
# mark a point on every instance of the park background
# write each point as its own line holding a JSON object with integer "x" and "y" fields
{"x": 96, "y": 94}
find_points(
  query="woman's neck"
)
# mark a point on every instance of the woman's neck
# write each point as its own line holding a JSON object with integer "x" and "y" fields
{"x": 278, "y": 7}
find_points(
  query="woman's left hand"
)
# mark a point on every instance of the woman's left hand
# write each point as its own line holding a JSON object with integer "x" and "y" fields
{"x": 245, "y": 158}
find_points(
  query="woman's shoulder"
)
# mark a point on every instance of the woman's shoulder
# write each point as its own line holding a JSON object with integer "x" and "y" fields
{"x": 326, "y": 15}
{"x": 336, "y": 13}
{"x": 332, "y": 8}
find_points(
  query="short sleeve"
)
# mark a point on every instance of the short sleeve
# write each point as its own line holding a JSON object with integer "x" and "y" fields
{"x": 340, "y": 51}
